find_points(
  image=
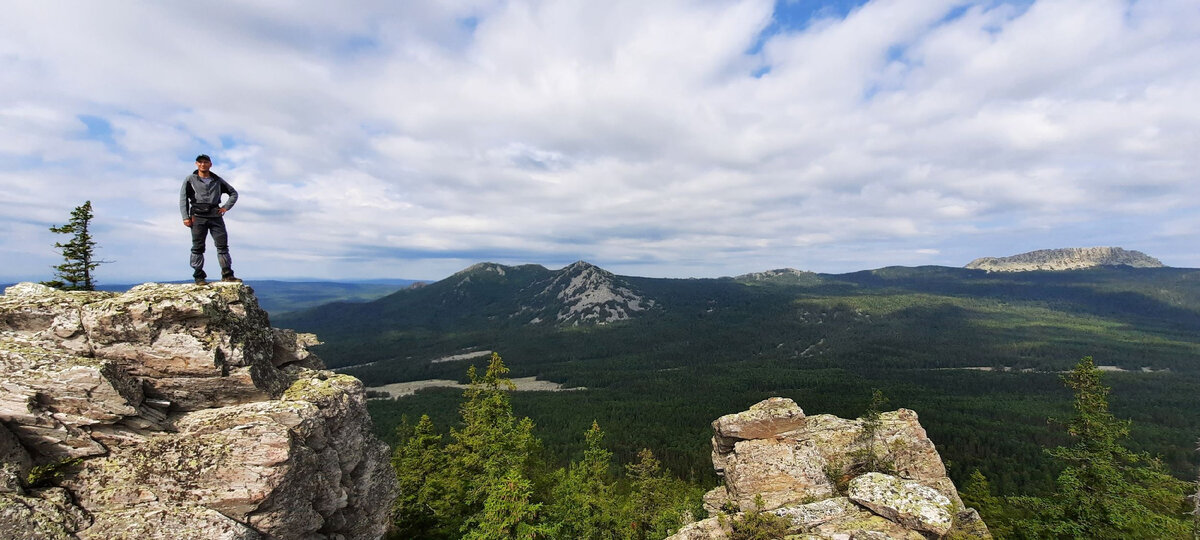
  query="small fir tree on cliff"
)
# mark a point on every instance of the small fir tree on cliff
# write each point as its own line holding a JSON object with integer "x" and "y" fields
{"x": 76, "y": 273}
{"x": 872, "y": 454}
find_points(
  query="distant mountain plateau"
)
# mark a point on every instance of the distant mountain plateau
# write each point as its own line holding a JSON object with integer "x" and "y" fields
{"x": 1066, "y": 259}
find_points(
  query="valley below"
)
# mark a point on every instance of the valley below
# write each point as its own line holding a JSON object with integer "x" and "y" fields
{"x": 978, "y": 355}
{"x": 520, "y": 384}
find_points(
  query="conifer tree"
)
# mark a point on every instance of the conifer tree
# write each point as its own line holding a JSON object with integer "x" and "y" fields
{"x": 1196, "y": 508}
{"x": 977, "y": 494}
{"x": 658, "y": 504}
{"x": 1105, "y": 490}
{"x": 76, "y": 273}
{"x": 582, "y": 504}
{"x": 868, "y": 452}
{"x": 491, "y": 447}
{"x": 508, "y": 511}
{"x": 420, "y": 466}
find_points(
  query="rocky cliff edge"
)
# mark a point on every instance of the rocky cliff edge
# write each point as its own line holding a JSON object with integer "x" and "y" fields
{"x": 831, "y": 478}
{"x": 176, "y": 411}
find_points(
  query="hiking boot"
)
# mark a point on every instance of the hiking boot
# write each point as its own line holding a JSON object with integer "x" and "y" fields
{"x": 201, "y": 281}
{"x": 231, "y": 279}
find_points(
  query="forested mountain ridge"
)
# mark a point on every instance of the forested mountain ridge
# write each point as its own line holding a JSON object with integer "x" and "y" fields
{"x": 483, "y": 298}
{"x": 903, "y": 310}
{"x": 926, "y": 336}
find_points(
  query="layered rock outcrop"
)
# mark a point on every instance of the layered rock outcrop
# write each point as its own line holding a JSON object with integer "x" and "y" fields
{"x": 176, "y": 411}
{"x": 1066, "y": 259}
{"x": 830, "y": 477}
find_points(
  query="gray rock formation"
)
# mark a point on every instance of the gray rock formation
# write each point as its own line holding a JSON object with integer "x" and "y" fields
{"x": 813, "y": 471}
{"x": 177, "y": 411}
{"x": 1066, "y": 259}
{"x": 789, "y": 276}
{"x": 591, "y": 295}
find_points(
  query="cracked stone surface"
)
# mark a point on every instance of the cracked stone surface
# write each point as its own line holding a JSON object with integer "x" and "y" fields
{"x": 813, "y": 472}
{"x": 178, "y": 408}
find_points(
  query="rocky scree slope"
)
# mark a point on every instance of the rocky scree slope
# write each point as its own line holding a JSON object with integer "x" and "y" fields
{"x": 812, "y": 471}
{"x": 578, "y": 294}
{"x": 1066, "y": 259}
{"x": 177, "y": 411}
{"x": 583, "y": 293}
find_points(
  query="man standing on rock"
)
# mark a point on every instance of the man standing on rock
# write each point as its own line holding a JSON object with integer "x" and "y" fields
{"x": 200, "y": 204}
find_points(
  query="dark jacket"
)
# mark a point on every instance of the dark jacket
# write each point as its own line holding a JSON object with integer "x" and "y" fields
{"x": 200, "y": 198}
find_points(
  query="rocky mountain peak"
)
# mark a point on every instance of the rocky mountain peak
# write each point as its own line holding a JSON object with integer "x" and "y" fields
{"x": 812, "y": 471}
{"x": 479, "y": 270}
{"x": 1066, "y": 259}
{"x": 583, "y": 293}
{"x": 476, "y": 268}
{"x": 178, "y": 410}
{"x": 780, "y": 275}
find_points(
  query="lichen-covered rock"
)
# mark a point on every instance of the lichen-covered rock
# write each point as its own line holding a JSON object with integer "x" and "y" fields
{"x": 713, "y": 528}
{"x": 48, "y": 397}
{"x": 15, "y": 462}
{"x": 968, "y": 524}
{"x": 42, "y": 514}
{"x": 157, "y": 520}
{"x": 765, "y": 419}
{"x": 900, "y": 442}
{"x": 781, "y": 472}
{"x": 807, "y": 516}
{"x": 797, "y": 473}
{"x": 42, "y": 314}
{"x": 908, "y": 503}
{"x": 286, "y": 467}
{"x": 863, "y": 525}
{"x": 179, "y": 335}
{"x": 715, "y": 500}
{"x": 291, "y": 349}
{"x": 186, "y": 414}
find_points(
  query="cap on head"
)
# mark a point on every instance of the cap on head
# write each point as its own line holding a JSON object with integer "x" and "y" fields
{"x": 203, "y": 157}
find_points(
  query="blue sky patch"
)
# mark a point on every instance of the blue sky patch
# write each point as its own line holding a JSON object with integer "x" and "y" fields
{"x": 97, "y": 129}
{"x": 795, "y": 15}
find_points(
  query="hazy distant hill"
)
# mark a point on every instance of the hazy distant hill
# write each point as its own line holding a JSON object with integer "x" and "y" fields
{"x": 1066, "y": 259}
{"x": 282, "y": 296}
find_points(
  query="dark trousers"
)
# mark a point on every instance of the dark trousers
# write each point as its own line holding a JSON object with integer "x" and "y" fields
{"x": 201, "y": 227}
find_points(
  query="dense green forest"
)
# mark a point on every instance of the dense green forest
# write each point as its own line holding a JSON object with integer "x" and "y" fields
{"x": 715, "y": 346}
{"x": 489, "y": 477}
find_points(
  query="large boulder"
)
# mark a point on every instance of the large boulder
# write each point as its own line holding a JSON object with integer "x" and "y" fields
{"x": 178, "y": 408}
{"x": 821, "y": 473}
{"x": 778, "y": 472}
{"x": 49, "y": 398}
{"x": 764, "y": 420}
{"x": 907, "y": 503}
{"x": 899, "y": 442}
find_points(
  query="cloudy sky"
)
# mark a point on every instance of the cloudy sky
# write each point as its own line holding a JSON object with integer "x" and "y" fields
{"x": 667, "y": 139}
